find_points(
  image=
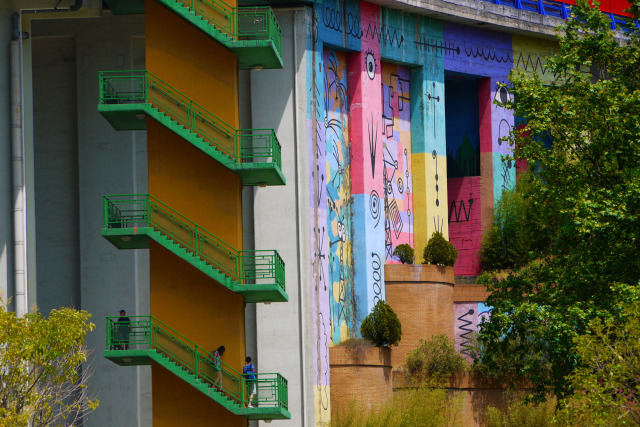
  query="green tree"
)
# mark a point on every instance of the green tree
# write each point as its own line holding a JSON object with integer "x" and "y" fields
{"x": 42, "y": 381}
{"x": 586, "y": 189}
{"x": 518, "y": 234}
{"x": 382, "y": 326}
{"x": 607, "y": 384}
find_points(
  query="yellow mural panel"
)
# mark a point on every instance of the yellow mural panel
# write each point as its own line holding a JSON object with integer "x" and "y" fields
{"x": 322, "y": 412}
{"x": 530, "y": 56}
{"x": 429, "y": 198}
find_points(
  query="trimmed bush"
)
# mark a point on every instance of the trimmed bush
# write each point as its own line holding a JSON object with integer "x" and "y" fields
{"x": 405, "y": 253}
{"x": 382, "y": 326}
{"x": 439, "y": 251}
{"x": 438, "y": 356}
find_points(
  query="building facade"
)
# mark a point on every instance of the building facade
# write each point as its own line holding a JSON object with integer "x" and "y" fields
{"x": 240, "y": 175}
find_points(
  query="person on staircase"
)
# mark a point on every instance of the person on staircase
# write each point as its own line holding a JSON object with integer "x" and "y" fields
{"x": 249, "y": 374}
{"x": 215, "y": 361}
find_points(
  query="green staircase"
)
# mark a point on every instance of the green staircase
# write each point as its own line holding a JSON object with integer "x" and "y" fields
{"x": 252, "y": 33}
{"x": 145, "y": 339}
{"x": 127, "y": 97}
{"x": 131, "y": 220}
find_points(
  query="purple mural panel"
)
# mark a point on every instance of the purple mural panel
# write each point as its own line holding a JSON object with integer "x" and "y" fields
{"x": 397, "y": 173}
{"x": 478, "y": 52}
{"x": 467, "y": 316}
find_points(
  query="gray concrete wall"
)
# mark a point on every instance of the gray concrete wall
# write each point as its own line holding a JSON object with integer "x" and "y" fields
{"x": 284, "y": 332}
{"x": 82, "y": 160}
{"x": 56, "y": 172}
{"x": 6, "y": 197}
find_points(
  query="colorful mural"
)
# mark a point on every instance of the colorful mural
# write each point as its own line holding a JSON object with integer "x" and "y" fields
{"x": 339, "y": 208}
{"x": 397, "y": 174}
{"x": 367, "y": 148}
{"x": 383, "y": 141}
{"x": 319, "y": 233}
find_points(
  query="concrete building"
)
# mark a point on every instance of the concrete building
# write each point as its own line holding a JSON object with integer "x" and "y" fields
{"x": 384, "y": 131}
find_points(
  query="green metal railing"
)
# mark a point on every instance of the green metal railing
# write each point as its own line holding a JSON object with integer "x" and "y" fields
{"x": 142, "y": 87}
{"x": 243, "y": 23}
{"x": 144, "y": 210}
{"x": 147, "y": 332}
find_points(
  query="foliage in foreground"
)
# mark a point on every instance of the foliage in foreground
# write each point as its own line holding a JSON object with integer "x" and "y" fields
{"x": 607, "y": 384}
{"x": 519, "y": 230}
{"x": 423, "y": 406}
{"x": 382, "y": 326}
{"x": 586, "y": 190}
{"x": 522, "y": 414}
{"x": 439, "y": 251}
{"x": 437, "y": 356}
{"x": 42, "y": 382}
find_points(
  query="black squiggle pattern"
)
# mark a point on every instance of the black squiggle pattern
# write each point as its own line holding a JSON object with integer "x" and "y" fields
{"x": 489, "y": 55}
{"x": 458, "y": 207}
{"x": 437, "y": 46}
{"x": 376, "y": 275}
{"x": 332, "y": 19}
{"x": 324, "y": 396}
{"x": 384, "y": 35}
{"x": 374, "y": 206}
{"x": 467, "y": 332}
{"x": 353, "y": 26}
{"x": 529, "y": 63}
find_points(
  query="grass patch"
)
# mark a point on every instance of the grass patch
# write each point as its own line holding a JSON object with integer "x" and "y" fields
{"x": 421, "y": 406}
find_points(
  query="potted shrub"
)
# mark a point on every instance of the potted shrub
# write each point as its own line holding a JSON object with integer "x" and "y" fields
{"x": 439, "y": 251}
{"x": 382, "y": 326}
{"x": 405, "y": 253}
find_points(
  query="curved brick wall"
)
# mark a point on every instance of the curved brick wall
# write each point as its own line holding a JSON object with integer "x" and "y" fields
{"x": 422, "y": 297}
{"x": 361, "y": 375}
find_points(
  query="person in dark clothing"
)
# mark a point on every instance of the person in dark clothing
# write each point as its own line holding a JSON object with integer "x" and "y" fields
{"x": 123, "y": 331}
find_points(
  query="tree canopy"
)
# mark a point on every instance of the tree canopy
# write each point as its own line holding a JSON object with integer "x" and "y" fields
{"x": 42, "y": 381}
{"x": 585, "y": 192}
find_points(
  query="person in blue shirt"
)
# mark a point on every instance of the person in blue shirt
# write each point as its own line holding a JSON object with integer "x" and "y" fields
{"x": 249, "y": 374}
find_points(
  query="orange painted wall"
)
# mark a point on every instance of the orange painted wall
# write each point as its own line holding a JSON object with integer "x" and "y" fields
{"x": 188, "y": 406}
{"x": 192, "y": 62}
{"x": 194, "y": 184}
{"x": 198, "y": 187}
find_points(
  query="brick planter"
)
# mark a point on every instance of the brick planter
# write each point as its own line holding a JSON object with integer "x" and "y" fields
{"x": 422, "y": 297}
{"x": 361, "y": 375}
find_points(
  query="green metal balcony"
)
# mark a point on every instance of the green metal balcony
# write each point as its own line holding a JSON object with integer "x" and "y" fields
{"x": 252, "y": 33}
{"x": 146, "y": 339}
{"x": 126, "y": 97}
{"x": 131, "y": 220}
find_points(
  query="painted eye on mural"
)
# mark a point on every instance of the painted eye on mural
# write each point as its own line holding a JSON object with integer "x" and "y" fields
{"x": 503, "y": 95}
{"x": 342, "y": 235}
{"x": 370, "y": 65}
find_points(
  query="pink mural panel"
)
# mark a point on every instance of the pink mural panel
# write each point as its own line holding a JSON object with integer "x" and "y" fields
{"x": 465, "y": 226}
{"x": 365, "y": 110}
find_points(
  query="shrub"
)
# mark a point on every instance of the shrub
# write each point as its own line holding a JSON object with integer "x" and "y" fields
{"x": 422, "y": 406}
{"x": 437, "y": 356}
{"x": 521, "y": 414}
{"x": 439, "y": 251}
{"x": 405, "y": 253}
{"x": 382, "y": 326}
